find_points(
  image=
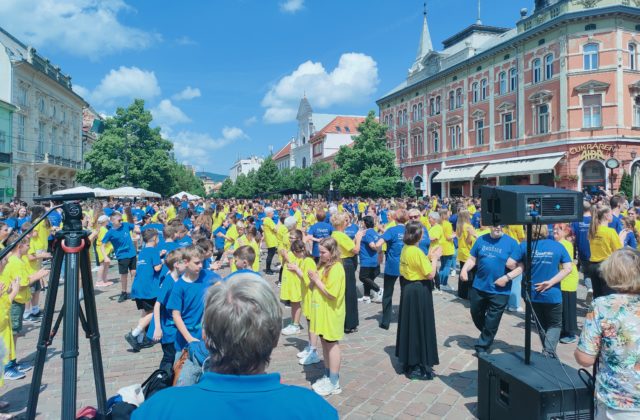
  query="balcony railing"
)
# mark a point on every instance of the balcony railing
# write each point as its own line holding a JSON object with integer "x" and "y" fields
{"x": 57, "y": 160}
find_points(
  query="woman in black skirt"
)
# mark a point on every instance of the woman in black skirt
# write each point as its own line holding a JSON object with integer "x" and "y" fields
{"x": 416, "y": 345}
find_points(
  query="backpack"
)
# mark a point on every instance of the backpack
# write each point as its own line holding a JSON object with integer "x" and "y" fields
{"x": 159, "y": 380}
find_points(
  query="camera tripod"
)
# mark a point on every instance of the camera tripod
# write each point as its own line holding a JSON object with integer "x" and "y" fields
{"x": 71, "y": 244}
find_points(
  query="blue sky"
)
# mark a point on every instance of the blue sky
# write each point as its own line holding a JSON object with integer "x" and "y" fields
{"x": 223, "y": 78}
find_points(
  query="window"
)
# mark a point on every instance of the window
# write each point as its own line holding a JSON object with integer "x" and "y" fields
{"x": 536, "y": 70}
{"x": 304, "y": 162}
{"x": 636, "y": 111}
{"x": 632, "y": 56}
{"x": 404, "y": 117}
{"x": 483, "y": 89}
{"x": 436, "y": 141}
{"x": 507, "y": 126}
{"x": 22, "y": 96}
{"x": 338, "y": 129}
{"x": 403, "y": 148}
{"x": 479, "y": 126}
{"x": 3, "y": 141}
{"x": 513, "y": 79}
{"x": 420, "y": 112}
{"x": 432, "y": 106}
{"x": 502, "y": 78}
{"x": 458, "y": 136}
{"x": 41, "y": 105}
{"x": 347, "y": 130}
{"x": 399, "y": 119}
{"x": 420, "y": 145}
{"x": 590, "y": 53}
{"x": 452, "y": 136}
{"x": 438, "y": 105}
{"x": 414, "y": 113}
{"x": 591, "y": 111}
{"x": 40, "y": 148}
{"x": 20, "y": 132}
{"x": 459, "y": 98}
{"x": 54, "y": 140}
{"x": 475, "y": 92}
{"x": 452, "y": 100}
{"x": 542, "y": 119}
{"x": 548, "y": 66}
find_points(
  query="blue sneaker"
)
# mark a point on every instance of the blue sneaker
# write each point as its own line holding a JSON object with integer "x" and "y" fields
{"x": 23, "y": 367}
{"x": 12, "y": 374}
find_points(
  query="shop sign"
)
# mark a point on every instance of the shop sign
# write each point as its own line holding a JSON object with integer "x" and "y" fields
{"x": 592, "y": 151}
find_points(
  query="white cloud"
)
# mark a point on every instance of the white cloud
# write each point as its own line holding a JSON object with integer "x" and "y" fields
{"x": 196, "y": 148}
{"x": 82, "y": 91}
{"x": 166, "y": 114}
{"x": 292, "y": 6}
{"x": 80, "y": 27}
{"x": 185, "y": 41}
{"x": 352, "y": 81}
{"x": 251, "y": 121}
{"x": 187, "y": 94}
{"x": 125, "y": 82}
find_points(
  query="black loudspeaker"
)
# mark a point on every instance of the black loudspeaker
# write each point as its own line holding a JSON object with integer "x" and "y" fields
{"x": 524, "y": 204}
{"x": 508, "y": 389}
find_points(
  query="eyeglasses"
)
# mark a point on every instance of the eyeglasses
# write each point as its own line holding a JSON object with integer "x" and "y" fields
{"x": 414, "y": 217}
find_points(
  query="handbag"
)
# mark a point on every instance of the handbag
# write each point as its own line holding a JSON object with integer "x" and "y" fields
{"x": 157, "y": 381}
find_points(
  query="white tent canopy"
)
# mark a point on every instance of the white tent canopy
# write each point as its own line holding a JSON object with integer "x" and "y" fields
{"x": 130, "y": 192}
{"x": 189, "y": 195}
{"x": 75, "y": 190}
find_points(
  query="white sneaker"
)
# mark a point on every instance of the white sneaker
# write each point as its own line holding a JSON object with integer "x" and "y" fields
{"x": 319, "y": 382}
{"x": 378, "y": 297}
{"x": 291, "y": 329}
{"x": 327, "y": 388}
{"x": 361, "y": 299}
{"x": 311, "y": 359}
{"x": 304, "y": 353}
{"x": 366, "y": 299}
{"x": 445, "y": 287}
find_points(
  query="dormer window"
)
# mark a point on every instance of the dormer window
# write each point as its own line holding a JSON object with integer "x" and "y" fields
{"x": 338, "y": 129}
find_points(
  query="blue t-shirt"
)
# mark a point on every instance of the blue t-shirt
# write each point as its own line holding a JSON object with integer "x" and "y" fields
{"x": 186, "y": 241}
{"x": 616, "y": 223}
{"x": 108, "y": 211}
{"x": 21, "y": 221}
{"x": 475, "y": 219}
{"x": 425, "y": 242}
{"x": 319, "y": 230}
{"x": 393, "y": 237}
{"x": 55, "y": 218}
{"x": 219, "y": 241}
{"x": 138, "y": 214}
{"x": 261, "y": 396}
{"x": 147, "y": 281}
{"x": 491, "y": 257}
{"x": 235, "y": 273}
{"x": 351, "y": 230}
{"x": 630, "y": 241}
{"x": 546, "y": 257}
{"x": 188, "y": 298}
{"x": 121, "y": 240}
{"x": 384, "y": 219}
{"x": 368, "y": 255}
{"x": 169, "y": 329}
{"x": 581, "y": 232}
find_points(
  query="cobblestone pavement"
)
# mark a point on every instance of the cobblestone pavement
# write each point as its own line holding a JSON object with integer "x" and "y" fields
{"x": 370, "y": 379}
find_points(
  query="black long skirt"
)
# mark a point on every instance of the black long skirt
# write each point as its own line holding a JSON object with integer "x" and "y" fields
{"x": 416, "y": 341}
{"x": 350, "y": 295}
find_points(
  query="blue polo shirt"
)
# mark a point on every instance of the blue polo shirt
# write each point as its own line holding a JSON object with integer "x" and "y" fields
{"x": 425, "y": 242}
{"x": 147, "y": 281}
{"x": 236, "y": 397}
{"x": 351, "y": 230}
{"x": 319, "y": 230}
{"x": 169, "y": 329}
{"x": 219, "y": 241}
{"x": 188, "y": 298}
{"x": 121, "y": 240}
{"x": 491, "y": 261}
{"x": 369, "y": 256}
{"x": 546, "y": 257}
{"x": 393, "y": 237}
{"x": 631, "y": 241}
{"x": 616, "y": 223}
{"x": 55, "y": 218}
{"x": 581, "y": 232}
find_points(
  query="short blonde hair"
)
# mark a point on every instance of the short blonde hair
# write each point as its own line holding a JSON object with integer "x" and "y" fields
{"x": 539, "y": 232}
{"x": 339, "y": 220}
{"x": 621, "y": 271}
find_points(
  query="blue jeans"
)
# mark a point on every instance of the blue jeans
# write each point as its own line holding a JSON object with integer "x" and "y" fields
{"x": 446, "y": 265}
{"x": 516, "y": 292}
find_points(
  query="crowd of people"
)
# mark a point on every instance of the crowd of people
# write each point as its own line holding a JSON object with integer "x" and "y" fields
{"x": 170, "y": 256}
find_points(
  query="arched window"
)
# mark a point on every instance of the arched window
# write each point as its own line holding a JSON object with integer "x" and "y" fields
{"x": 404, "y": 117}
{"x": 304, "y": 162}
{"x": 420, "y": 112}
{"x": 483, "y": 89}
{"x": 503, "y": 82}
{"x": 438, "y": 104}
{"x": 414, "y": 113}
{"x": 475, "y": 91}
{"x": 436, "y": 141}
{"x": 513, "y": 79}
{"x": 399, "y": 119}
{"x": 548, "y": 66}
{"x": 459, "y": 98}
{"x": 632, "y": 56}
{"x": 590, "y": 55}
{"x": 452, "y": 100}
{"x": 536, "y": 69}
{"x": 432, "y": 106}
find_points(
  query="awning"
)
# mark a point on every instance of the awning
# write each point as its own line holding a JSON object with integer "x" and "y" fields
{"x": 521, "y": 167}
{"x": 459, "y": 173}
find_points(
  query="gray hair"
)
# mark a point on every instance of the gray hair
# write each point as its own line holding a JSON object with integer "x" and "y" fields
{"x": 241, "y": 324}
{"x": 435, "y": 216}
{"x": 268, "y": 210}
{"x": 290, "y": 222}
{"x": 333, "y": 209}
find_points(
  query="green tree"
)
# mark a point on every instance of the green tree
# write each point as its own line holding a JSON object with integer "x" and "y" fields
{"x": 267, "y": 176}
{"x": 368, "y": 168}
{"x": 301, "y": 179}
{"x": 130, "y": 152}
{"x": 227, "y": 189}
{"x": 320, "y": 177}
{"x": 626, "y": 184}
{"x": 185, "y": 180}
{"x": 243, "y": 187}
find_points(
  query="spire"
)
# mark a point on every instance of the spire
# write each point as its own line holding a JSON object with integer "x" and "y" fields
{"x": 479, "y": 21}
{"x": 425, "y": 46}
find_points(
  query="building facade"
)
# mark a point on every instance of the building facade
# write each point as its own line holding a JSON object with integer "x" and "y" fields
{"x": 46, "y": 149}
{"x": 337, "y": 133}
{"x": 244, "y": 166}
{"x": 553, "y": 101}
{"x": 283, "y": 159}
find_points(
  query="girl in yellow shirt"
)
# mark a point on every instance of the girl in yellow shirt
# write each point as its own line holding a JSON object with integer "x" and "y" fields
{"x": 603, "y": 240}
{"x": 416, "y": 341}
{"x": 447, "y": 262}
{"x": 328, "y": 313}
{"x": 569, "y": 286}
{"x": 8, "y": 291}
{"x": 102, "y": 230}
{"x": 291, "y": 288}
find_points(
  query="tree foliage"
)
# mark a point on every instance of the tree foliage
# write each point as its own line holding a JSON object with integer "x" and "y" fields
{"x": 368, "y": 168}
{"x": 626, "y": 184}
{"x": 131, "y": 153}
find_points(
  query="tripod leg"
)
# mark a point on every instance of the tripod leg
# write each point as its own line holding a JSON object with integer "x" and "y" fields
{"x": 92, "y": 331}
{"x": 45, "y": 331}
{"x": 70, "y": 331}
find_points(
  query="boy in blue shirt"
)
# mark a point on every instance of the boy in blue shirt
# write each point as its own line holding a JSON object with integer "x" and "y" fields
{"x": 243, "y": 257}
{"x": 317, "y": 232}
{"x": 165, "y": 329}
{"x": 146, "y": 284}
{"x": 120, "y": 237}
{"x": 186, "y": 302}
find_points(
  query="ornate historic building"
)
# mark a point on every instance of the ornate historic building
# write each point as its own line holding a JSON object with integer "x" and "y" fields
{"x": 553, "y": 101}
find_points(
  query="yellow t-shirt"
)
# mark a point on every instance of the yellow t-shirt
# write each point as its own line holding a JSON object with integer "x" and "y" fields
{"x": 569, "y": 283}
{"x": 42, "y": 238}
{"x": 171, "y": 213}
{"x": 515, "y": 231}
{"x": 298, "y": 217}
{"x": 414, "y": 264}
{"x": 436, "y": 235}
{"x": 425, "y": 222}
{"x": 362, "y": 206}
{"x": 256, "y": 248}
{"x": 345, "y": 244}
{"x": 310, "y": 219}
{"x": 307, "y": 264}
{"x": 291, "y": 286}
{"x": 269, "y": 229}
{"x": 18, "y": 268}
{"x": 327, "y": 315}
{"x": 471, "y": 209}
{"x": 603, "y": 245}
{"x": 217, "y": 220}
{"x": 464, "y": 247}
{"x": 448, "y": 248}
{"x": 232, "y": 234}
{"x": 481, "y": 232}
{"x": 108, "y": 247}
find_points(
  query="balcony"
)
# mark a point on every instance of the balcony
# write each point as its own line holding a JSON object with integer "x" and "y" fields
{"x": 51, "y": 159}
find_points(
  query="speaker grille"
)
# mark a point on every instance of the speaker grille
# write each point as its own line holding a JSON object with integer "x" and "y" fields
{"x": 558, "y": 206}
